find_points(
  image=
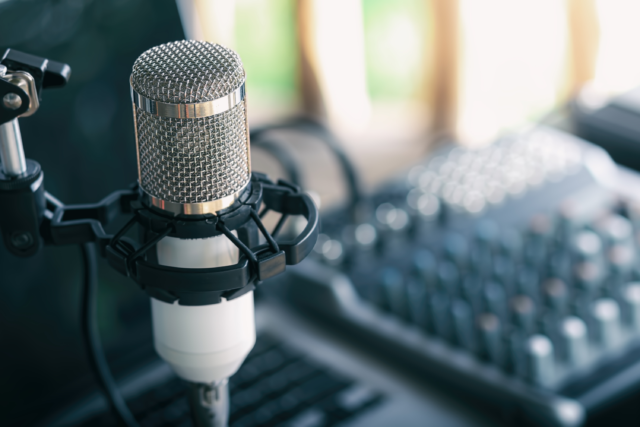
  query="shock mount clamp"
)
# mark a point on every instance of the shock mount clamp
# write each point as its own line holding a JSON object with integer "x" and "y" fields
{"x": 35, "y": 218}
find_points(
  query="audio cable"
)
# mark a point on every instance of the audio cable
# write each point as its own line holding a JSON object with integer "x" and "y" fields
{"x": 283, "y": 156}
{"x": 91, "y": 337}
{"x": 320, "y": 131}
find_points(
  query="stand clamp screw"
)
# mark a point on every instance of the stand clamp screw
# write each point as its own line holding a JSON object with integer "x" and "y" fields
{"x": 12, "y": 101}
{"x": 21, "y": 239}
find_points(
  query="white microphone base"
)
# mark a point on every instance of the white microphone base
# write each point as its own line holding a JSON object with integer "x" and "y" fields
{"x": 204, "y": 344}
{"x": 207, "y": 343}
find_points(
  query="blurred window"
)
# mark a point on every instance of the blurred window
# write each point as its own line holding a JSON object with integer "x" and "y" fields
{"x": 395, "y": 41}
{"x": 618, "y": 65}
{"x": 265, "y": 38}
{"x": 488, "y": 66}
{"x": 512, "y": 66}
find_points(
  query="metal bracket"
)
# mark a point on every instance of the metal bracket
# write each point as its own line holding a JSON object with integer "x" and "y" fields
{"x": 200, "y": 286}
{"x": 8, "y": 92}
{"x": 74, "y": 224}
{"x": 26, "y": 76}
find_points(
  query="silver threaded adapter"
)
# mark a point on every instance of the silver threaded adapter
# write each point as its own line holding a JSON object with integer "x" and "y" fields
{"x": 192, "y": 135}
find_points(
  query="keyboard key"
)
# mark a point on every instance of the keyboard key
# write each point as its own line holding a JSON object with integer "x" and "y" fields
{"x": 615, "y": 229}
{"x": 606, "y": 321}
{"x": 456, "y": 249}
{"x": 472, "y": 293}
{"x": 394, "y": 292}
{"x": 168, "y": 390}
{"x": 631, "y": 301}
{"x": 516, "y": 353}
{"x": 504, "y": 270}
{"x": 588, "y": 276}
{"x": 570, "y": 218}
{"x": 587, "y": 246}
{"x": 176, "y": 411}
{"x": 314, "y": 389}
{"x": 290, "y": 400}
{"x": 448, "y": 278}
{"x": 260, "y": 366}
{"x": 154, "y": 419}
{"x": 355, "y": 397}
{"x": 246, "y": 398}
{"x": 536, "y": 247}
{"x": 495, "y": 299}
{"x": 425, "y": 267}
{"x": 266, "y": 413}
{"x": 556, "y": 295}
{"x": 524, "y": 312}
{"x": 548, "y": 324}
{"x": 621, "y": 259}
{"x": 541, "y": 366}
{"x": 528, "y": 282}
{"x": 491, "y": 334}
{"x": 311, "y": 418}
{"x": 541, "y": 228}
{"x": 462, "y": 319}
{"x": 511, "y": 244}
{"x": 417, "y": 304}
{"x": 574, "y": 341}
{"x": 439, "y": 308}
{"x": 246, "y": 421}
{"x": 292, "y": 374}
{"x": 559, "y": 265}
{"x": 263, "y": 343}
{"x": 365, "y": 236}
{"x": 487, "y": 234}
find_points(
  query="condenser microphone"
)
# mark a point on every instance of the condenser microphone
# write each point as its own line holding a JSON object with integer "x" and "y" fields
{"x": 197, "y": 208}
{"x": 192, "y": 141}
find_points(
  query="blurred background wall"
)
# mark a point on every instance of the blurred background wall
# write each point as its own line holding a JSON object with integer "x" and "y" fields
{"x": 392, "y": 78}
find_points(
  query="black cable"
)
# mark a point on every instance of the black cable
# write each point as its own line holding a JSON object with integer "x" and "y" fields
{"x": 92, "y": 338}
{"x": 316, "y": 128}
{"x": 283, "y": 157}
{"x": 348, "y": 168}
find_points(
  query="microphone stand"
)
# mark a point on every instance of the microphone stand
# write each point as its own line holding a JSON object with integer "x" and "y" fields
{"x": 209, "y": 403}
{"x": 31, "y": 218}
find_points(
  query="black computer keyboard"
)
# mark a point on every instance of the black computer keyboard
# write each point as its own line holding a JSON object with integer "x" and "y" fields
{"x": 276, "y": 386}
{"x": 506, "y": 272}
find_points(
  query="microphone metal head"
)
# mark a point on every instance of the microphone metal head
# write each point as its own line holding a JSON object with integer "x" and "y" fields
{"x": 192, "y": 135}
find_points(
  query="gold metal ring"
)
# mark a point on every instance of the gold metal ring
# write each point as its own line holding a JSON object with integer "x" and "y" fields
{"x": 187, "y": 111}
{"x": 191, "y": 208}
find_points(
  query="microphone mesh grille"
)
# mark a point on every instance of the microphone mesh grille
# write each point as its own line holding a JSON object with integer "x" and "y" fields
{"x": 193, "y": 160}
{"x": 187, "y": 71}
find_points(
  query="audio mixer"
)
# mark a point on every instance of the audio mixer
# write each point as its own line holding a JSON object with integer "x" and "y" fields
{"x": 508, "y": 273}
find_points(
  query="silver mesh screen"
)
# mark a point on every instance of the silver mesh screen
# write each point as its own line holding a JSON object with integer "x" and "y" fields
{"x": 187, "y": 71}
{"x": 191, "y": 160}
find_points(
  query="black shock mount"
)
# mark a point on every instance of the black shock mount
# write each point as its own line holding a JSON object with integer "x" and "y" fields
{"x": 31, "y": 218}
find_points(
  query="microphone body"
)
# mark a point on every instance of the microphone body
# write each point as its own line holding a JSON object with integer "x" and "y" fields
{"x": 192, "y": 142}
{"x": 203, "y": 344}
{"x": 206, "y": 343}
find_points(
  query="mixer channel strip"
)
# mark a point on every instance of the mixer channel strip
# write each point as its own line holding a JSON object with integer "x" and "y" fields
{"x": 510, "y": 272}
